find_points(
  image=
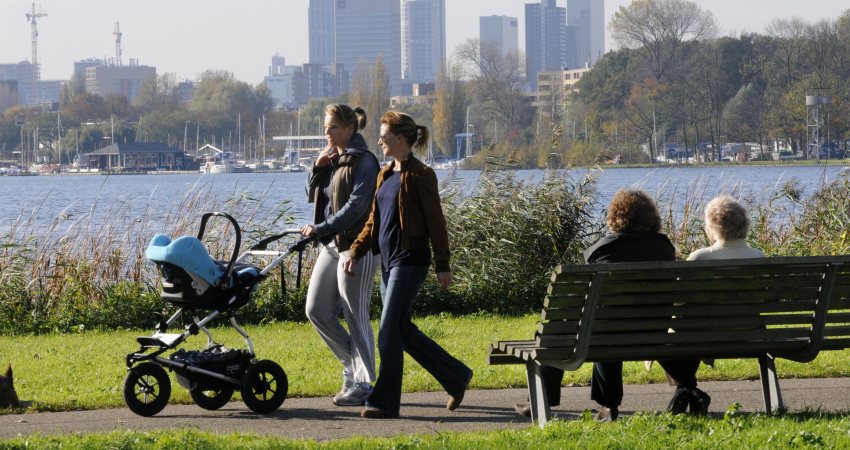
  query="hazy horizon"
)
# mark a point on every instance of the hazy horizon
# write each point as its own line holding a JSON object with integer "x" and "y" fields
{"x": 187, "y": 37}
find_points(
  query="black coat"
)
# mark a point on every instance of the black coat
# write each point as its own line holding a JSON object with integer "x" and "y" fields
{"x": 631, "y": 247}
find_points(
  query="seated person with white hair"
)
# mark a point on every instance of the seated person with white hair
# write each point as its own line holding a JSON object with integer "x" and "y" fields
{"x": 727, "y": 225}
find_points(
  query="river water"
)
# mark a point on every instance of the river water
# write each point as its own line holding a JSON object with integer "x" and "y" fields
{"x": 41, "y": 202}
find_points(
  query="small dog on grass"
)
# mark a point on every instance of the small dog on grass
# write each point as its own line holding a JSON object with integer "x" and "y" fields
{"x": 8, "y": 396}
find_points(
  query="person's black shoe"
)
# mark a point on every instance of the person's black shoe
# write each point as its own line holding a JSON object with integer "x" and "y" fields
{"x": 699, "y": 402}
{"x": 680, "y": 401}
{"x": 606, "y": 414}
{"x": 455, "y": 400}
{"x": 523, "y": 409}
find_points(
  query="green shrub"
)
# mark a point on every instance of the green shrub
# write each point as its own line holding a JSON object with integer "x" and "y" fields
{"x": 507, "y": 236}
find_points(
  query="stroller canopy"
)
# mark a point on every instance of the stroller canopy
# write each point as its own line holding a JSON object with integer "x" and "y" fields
{"x": 186, "y": 252}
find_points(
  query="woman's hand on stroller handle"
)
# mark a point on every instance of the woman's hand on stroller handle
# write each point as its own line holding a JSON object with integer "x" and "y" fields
{"x": 308, "y": 230}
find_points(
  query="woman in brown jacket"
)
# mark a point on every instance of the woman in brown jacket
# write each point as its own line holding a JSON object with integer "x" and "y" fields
{"x": 406, "y": 215}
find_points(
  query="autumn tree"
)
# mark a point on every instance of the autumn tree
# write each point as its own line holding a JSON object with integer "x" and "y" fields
{"x": 658, "y": 28}
{"x": 449, "y": 107}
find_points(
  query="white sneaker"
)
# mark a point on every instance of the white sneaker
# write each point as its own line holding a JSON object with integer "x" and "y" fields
{"x": 356, "y": 396}
{"x": 347, "y": 384}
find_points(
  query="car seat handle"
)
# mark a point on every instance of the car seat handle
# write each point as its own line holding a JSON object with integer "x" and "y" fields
{"x": 205, "y": 218}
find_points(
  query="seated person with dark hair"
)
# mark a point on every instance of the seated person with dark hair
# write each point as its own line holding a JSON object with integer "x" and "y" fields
{"x": 635, "y": 225}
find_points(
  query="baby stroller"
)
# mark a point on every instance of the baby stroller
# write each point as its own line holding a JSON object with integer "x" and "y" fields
{"x": 195, "y": 283}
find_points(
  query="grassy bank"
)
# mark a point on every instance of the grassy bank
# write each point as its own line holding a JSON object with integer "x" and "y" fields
{"x": 641, "y": 431}
{"x": 86, "y": 370}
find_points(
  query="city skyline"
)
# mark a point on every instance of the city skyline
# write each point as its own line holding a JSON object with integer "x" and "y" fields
{"x": 191, "y": 36}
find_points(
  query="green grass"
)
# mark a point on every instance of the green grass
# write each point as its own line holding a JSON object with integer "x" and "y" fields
{"x": 641, "y": 431}
{"x": 86, "y": 370}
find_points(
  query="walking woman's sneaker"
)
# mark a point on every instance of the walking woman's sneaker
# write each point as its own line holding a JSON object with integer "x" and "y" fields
{"x": 356, "y": 396}
{"x": 606, "y": 414}
{"x": 347, "y": 384}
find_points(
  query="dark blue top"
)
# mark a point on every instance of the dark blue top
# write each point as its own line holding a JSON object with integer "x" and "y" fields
{"x": 389, "y": 233}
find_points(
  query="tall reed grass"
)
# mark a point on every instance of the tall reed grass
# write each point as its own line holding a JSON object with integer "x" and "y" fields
{"x": 506, "y": 235}
{"x": 91, "y": 271}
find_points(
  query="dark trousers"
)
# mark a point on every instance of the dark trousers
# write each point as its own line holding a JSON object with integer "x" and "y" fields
{"x": 606, "y": 383}
{"x": 397, "y": 334}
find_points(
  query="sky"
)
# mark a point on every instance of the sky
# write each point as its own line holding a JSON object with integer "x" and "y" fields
{"x": 187, "y": 37}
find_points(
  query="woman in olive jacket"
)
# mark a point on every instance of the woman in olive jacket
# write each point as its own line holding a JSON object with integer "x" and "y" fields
{"x": 406, "y": 215}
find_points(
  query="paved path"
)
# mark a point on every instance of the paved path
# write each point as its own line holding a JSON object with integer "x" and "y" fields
{"x": 422, "y": 413}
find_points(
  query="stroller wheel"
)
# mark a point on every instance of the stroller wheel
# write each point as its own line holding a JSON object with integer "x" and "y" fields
{"x": 211, "y": 399}
{"x": 264, "y": 386}
{"x": 146, "y": 389}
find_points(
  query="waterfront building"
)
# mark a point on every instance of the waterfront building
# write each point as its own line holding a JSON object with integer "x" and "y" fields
{"x": 8, "y": 94}
{"x": 423, "y": 40}
{"x": 281, "y": 82}
{"x": 136, "y": 157}
{"x": 48, "y": 93}
{"x": 421, "y": 94}
{"x": 321, "y": 31}
{"x": 26, "y": 75}
{"x": 366, "y": 29}
{"x": 586, "y": 19}
{"x": 545, "y": 39}
{"x": 319, "y": 81}
{"x": 124, "y": 80}
{"x": 500, "y": 32}
{"x": 554, "y": 90}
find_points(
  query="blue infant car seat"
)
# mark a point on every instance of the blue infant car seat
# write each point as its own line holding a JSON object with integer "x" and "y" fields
{"x": 192, "y": 279}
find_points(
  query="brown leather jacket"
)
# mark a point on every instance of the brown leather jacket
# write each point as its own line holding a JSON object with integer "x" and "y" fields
{"x": 420, "y": 214}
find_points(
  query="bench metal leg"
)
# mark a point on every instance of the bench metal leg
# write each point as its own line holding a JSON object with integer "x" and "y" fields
{"x": 770, "y": 384}
{"x": 539, "y": 401}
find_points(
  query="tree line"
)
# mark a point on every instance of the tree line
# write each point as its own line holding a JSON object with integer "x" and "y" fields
{"x": 673, "y": 80}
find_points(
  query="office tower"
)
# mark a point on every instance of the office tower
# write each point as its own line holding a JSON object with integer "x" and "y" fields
{"x": 588, "y": 19}
{"x": 321, "y": 31}
{"x": 423, "y": 39}
{"x": 365, "y": 29}
{"x": 501, "y": 32}
{"x": 545, "y": 39}
{"x": 124, "y": 80}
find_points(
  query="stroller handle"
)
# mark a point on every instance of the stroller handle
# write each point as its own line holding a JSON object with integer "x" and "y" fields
{"x": 263, "y": 244}
{"x": 206, "y": 217}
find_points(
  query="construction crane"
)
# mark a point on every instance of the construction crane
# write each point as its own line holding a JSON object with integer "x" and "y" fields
{"x": 117, "y": 34}
{"x": 32, "y": 17}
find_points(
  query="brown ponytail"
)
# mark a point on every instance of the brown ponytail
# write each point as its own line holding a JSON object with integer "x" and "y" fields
{"x": 346, "y": 115}
{"x": 417, "y": 136}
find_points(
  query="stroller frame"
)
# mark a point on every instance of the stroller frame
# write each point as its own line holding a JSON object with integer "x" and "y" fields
{"x": 147, "y": 386}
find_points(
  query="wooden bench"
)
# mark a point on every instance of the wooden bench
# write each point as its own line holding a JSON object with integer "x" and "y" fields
{"x": 763, "y": 308}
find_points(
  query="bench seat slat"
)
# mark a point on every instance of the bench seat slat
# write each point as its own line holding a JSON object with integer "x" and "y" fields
{"x": 680, "y": 324}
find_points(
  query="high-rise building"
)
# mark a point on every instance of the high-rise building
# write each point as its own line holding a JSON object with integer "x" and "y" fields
{"x": 366, "y": 29}
{"x": 423, "y": 40}
{"x": 588, "y": 19}
{"x": 545, "y": 38}
{"x": 8, "y": 94}
{"x": 501, "y": 32}
{"x": 321, "y": 30}
{"x": 124, "y": 80}
{"x": 26, "y": 74}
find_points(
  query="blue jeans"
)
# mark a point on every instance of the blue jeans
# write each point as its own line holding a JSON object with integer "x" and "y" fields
{"x": 397, "y": 334}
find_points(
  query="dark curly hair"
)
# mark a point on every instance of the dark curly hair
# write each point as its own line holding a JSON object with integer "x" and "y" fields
{"x": 633, "y": 211}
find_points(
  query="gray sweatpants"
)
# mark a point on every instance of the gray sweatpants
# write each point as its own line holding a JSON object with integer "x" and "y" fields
{"x": 331, "y": 290}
